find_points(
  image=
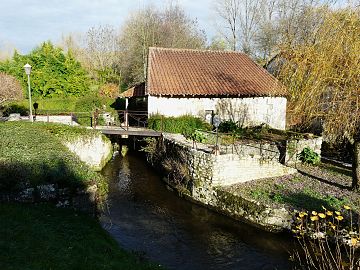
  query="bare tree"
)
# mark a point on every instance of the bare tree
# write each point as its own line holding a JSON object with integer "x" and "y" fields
{"x": 10, "y": 88}
{"x": 148, "y": 27}
{"x": 229, "y": 11}
{"x": 249, "y": 16}
{"x": 101, "y": 48}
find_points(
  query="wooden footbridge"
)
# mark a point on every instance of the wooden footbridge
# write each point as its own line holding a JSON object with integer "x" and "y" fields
{"x": 128, "y": 131}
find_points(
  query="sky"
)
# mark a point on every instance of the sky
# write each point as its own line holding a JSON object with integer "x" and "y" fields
{"x": 24, "y": 24}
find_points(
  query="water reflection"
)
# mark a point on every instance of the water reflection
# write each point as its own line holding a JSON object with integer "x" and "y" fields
{"x": 146, "y": 217}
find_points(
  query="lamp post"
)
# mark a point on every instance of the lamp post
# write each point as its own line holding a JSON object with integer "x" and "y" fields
{"x": 27, "y": 68}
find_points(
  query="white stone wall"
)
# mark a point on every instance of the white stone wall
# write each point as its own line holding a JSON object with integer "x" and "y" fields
{"x": 95, "y": 151}
{"x": 248, "y": 111}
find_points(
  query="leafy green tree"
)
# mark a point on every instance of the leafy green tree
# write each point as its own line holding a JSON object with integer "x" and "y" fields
{"x": 53, "y": 72}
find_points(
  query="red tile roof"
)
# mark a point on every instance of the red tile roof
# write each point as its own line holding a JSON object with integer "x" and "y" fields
{"x": 183, "y": 72}
{"x": 137, "y": 90}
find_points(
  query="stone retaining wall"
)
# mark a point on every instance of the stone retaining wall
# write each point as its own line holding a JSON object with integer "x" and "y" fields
{"x": 95, "y": 151}
{"x": 204, "y": 177}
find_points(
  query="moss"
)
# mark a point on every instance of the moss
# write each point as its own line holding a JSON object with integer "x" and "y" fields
{"x": 227, "y": 199}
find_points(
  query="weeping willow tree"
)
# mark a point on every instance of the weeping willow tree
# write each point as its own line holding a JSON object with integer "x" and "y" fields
{"x": 323, "y": 77}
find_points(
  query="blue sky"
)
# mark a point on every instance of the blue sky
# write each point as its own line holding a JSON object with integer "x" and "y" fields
{"x": 26, "y": 23}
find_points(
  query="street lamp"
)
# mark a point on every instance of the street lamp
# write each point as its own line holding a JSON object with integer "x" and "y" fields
{"x": 27, "y": 68}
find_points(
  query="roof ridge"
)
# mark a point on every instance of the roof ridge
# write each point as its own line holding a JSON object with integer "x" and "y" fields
{"x": 196, "y": 50}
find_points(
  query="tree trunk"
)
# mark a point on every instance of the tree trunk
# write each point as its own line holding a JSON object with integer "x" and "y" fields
{"x": 356, "y": 166}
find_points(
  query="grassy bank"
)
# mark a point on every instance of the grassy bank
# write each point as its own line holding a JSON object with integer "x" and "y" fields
{"x": 313, "y": 188}
{"x": 33, "y": 154}
{"x": 45, "y": 237}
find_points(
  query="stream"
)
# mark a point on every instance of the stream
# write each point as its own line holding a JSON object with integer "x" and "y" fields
{"x": 147, "y": 218}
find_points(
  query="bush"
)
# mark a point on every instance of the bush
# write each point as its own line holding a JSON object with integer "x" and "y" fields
{"x": 228, "y": 126}
{"x": 185, "y": 124}
{"x": 309, "y": 156}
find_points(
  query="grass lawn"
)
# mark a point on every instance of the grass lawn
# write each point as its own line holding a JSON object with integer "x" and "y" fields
{"x": 33, "y": 154}
{"x": 316, "y": 186}
{"x": 45, "y": 237}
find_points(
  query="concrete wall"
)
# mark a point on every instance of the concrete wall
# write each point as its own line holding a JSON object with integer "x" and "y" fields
{"x": 248, "y": 111}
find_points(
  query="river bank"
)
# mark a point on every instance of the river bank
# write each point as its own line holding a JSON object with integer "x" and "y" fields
{"x": 39, "y": 170}
{"x": 249, "y": 183}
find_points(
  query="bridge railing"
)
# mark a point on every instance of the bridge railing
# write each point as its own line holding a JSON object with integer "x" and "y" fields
{"x": 129, "y": 118}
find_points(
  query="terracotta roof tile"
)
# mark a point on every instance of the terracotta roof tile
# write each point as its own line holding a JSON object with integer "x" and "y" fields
{"x": 208, "y": 73}
{"x": 137, "y": 90}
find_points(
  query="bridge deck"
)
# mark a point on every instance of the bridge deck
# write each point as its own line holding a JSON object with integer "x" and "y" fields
{"x": 130, "y": 131}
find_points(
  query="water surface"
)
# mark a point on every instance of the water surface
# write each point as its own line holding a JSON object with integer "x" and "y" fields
{"x": 145, "y": 217}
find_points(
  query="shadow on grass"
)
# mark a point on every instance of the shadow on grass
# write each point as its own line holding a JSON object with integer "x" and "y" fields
{"x": 323, "y": 180}
{"x": 338, "y": 170}
{"x": 16, "y": 175}
{"x": 310, "y": 202}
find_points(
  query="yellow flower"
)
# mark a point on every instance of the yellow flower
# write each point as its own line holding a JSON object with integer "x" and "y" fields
{"x": 354, "y": 241}
{"x": 338, "y": 213}
{"x": 313, "y": 218}
{"x": 314, "y": 213}
{"x": 333, "y": 227}
{"x": 322, "y": 215}
{"x": 329, "y": 213}
{"x": 323, "y": 208}
{"x": 339, "y": 218}
{"x": 302, "y": 214}
{"x": 347, "y": 207}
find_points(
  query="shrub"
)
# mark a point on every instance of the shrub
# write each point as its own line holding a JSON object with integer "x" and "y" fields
{"x": 185, "y": 124}
{"x": 227, "y": 126}
{"x": 309, "y": 156}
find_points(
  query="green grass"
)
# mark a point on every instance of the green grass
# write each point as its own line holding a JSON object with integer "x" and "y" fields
{"x": 185, "y": 124}
{"x": 32, "y": 154}
{"x": 44, "y": 237}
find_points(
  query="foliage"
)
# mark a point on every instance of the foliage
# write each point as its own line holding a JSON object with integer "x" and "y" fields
{"x": 33, "y": 154}
{"x": 54, "y": 73}
{"x": 309, "y": 156}
{"x": 109, "y": 90}
{"x": 45, "y": 237}
{"x": 228, "y": 126}
{"x": 198, "y": 136}
{"x": 10, "y": 88}
{"x": 185, "y": 124}
{"x": 326, "y": 240}
{"x": 323, "y": 76}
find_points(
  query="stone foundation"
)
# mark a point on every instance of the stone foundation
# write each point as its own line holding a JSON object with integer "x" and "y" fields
{"x": 203, "y": 177}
